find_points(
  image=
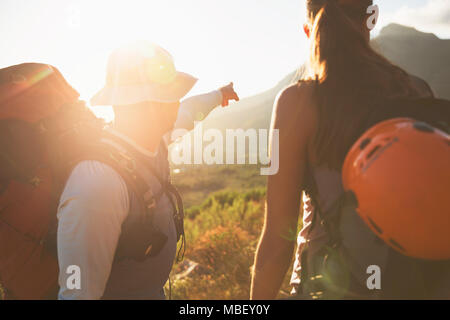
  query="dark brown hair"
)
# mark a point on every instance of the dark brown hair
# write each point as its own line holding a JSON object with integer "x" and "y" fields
{"x": 350, "y": 76}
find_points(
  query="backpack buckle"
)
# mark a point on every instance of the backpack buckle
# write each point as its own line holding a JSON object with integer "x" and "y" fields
{"x": 35, "y": 181}
{"x": 124, "y": 161}
{"x": 149, "y": 199}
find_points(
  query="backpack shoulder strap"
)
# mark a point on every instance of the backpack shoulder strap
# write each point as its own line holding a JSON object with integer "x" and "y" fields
{"x": 166, "y": 188}
{"x": 434, "y": 111}
{"x": 121, "y": 163}
{"x": 172, "y": 194}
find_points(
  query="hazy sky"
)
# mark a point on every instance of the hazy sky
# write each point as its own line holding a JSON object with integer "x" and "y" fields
{"x": 251, "y": 42}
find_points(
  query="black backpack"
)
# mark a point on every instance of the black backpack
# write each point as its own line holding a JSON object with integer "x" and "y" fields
{"x": 338, "y": 271}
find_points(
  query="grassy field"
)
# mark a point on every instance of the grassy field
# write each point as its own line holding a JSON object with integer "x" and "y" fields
{"x": 224, "y": 217}
{"x": 197, "y": 182}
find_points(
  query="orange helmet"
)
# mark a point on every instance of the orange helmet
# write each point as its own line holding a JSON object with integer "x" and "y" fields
{"x": 399, "y": 172}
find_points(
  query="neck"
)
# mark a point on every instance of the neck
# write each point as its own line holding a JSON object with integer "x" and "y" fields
{"x": 144, "y": 138}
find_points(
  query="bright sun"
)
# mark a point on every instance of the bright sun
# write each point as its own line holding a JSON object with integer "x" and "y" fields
{"x": 117, "y": 24}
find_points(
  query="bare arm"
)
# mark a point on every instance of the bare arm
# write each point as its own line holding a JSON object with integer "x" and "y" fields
{"x": 293, "y": 117}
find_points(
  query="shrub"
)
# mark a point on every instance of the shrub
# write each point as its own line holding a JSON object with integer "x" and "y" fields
{"x": 222, "y": 234}
{"x": 226, "y": 255}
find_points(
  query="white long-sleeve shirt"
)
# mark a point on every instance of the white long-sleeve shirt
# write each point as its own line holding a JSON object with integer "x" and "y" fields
{"x": 196, "y": 108}
{"x": 92, "y": 208}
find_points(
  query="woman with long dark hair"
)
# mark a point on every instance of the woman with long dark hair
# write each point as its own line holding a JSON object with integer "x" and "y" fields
{"x": 319, "y": 118}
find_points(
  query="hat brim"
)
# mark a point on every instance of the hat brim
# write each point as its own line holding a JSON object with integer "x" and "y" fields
{"x": 131, "y": 94}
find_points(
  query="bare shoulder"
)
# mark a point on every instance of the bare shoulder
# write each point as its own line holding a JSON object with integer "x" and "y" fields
{"x": 295, "y": 108}
{"x": 422, "y": 86}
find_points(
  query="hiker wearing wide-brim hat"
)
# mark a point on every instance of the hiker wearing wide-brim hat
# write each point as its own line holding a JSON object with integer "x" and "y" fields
{"x": 142, "y": 72}
{"x": 145, "y": 89}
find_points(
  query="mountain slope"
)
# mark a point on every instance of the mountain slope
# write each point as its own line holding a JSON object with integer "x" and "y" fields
{"x": 421, "y": 54}
{"x": 251, "y": 112}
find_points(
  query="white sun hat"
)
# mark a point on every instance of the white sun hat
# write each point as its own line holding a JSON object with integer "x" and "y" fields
{"x": 142, "y": 72}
